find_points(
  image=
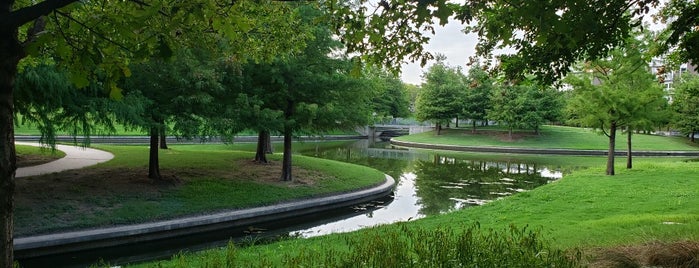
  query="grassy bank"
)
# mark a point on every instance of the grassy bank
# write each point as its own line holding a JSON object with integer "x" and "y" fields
{"x": 656, "y": 201}
{"x": 550, "y": 137}
{"x": 197, "y": 181}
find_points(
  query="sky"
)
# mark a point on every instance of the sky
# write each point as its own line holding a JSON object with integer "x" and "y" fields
{"x": 448, "y": 40}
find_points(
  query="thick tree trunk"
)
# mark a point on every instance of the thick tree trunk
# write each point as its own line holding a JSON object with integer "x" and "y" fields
{"x": 629, "y": 153}
{"x": 10, "y": 54}
{"x": 473, "y": 124}
{"x": 153, "y": 164}
{"x": 610, "y": 151}
{"x": 163, "y": 141}
{"x": 286, "y": 162}
{"x": 456, "y": 124}
{"x": 691, "y": 136}
{"x": 439, "y": 129}
{"x": 260, "y": 153}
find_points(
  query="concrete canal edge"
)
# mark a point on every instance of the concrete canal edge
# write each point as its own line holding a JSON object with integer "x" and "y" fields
{"x": 514, "y": 150}
{"x": 60, "y": 243}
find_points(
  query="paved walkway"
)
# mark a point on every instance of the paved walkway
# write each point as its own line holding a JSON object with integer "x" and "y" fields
{"x": 76, "y": 157}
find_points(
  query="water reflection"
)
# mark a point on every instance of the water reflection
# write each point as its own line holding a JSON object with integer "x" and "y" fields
{"x": 429, "y": 183}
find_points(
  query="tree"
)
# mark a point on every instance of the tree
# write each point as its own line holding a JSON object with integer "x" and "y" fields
{"x": 311, "y": 90}
{"x": 524, "y": 105}
{"x": 102, "y": 37}
{"x": 477, "y": 101}
{"x": 179, "y": 92}
{"x": 614, "y": 93}
{"x": 441, "y": 96}
{"x": 390, "y": 95}
{"x": 686, "y": 105}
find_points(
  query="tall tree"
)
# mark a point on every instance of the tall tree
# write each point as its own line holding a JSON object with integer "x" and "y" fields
{"x": 614, "y": 93}
{"x": 442, "y": 94}
{"x": 311, "y": 90}
{"x": 525, "y": 105}
{"x": 390, "y": 95}
{"x": 477, "y": 101}
{"x": 180, "y": 92}
{"x": 686, "y": 105}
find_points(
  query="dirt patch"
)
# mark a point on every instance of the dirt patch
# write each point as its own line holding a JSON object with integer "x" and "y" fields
{"x": 270, "y": 173}
{"x": 683, "y": 254}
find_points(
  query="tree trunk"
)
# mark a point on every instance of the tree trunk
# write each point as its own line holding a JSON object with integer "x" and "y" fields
{"x": 457, "y": 122}
{"x": 286, "y": 162}
{"x": 439, "y": 129}
{"x": 473, "y": 124}
{"x": 691, "y": 136}
{"x": 153, "y": 164}
{"x": 268, "y": 146}
{"x": 610, "y": 151}
{"x": 288, "y": 131}
{"x": 260, "y": 153}
{"x": 10, "y": 54}
{"x": 163, "y": 142}
{"x": 629, "y": 157}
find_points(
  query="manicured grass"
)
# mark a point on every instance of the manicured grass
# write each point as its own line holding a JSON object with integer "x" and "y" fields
{"x": 550, "y": 137}
{"x": 655, "y": 201}
{"x": 32, "y": 155}
{"x": 200, "y": 181}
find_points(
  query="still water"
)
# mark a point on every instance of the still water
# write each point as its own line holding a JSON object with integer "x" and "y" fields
{"x": 428, "y": 183}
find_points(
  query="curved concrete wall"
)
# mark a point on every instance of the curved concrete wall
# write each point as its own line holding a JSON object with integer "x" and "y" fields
{"x": 43, "y": 245}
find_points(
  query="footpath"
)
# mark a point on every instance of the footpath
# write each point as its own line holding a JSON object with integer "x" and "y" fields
{"x": 75, "y": 158}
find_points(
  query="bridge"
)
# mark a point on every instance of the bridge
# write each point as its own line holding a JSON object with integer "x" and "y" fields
{"x": 385, "y": 131}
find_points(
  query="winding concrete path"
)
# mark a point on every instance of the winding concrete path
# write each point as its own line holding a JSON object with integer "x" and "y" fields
{"x": 76, "y": 157}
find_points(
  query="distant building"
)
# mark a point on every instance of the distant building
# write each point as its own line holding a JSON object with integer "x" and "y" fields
{"x": 670, "y": 76}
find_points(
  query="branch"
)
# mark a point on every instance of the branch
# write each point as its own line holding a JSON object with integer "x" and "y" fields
{"x": 26, "y": 14}
{"x": 601, "y": 123}
{"x": 34, "y": 31}
{"x": 97, "y": 33}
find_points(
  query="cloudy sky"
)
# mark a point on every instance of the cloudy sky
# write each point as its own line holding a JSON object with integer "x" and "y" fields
{"x": 448, "y": 40}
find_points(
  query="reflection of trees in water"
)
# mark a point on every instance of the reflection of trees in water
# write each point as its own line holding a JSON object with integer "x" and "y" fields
{"x": 444, "y": 184}
{"x": 392, "y": 162}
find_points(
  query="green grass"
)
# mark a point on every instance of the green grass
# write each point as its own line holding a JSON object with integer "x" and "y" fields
{"x": 117, "y": 192}
{"x": 583, "y": 210}
{"x": 25, "y": 150}
{"x": 551, "y": 137}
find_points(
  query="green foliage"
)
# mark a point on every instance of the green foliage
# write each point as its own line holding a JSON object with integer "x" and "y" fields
{"x": 47, "y": 100}
{"x": 442, "y": 94}
{"x": 404, "y": 245}
{"x": 686, "y": 104}
{"x": 526, "y": 105}
{"x": 390, "y": 95}
{"x": 477, "y": 101}
{"x": 681, "y": 37}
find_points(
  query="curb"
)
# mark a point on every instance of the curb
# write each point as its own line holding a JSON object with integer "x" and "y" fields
{"x": 514, "y": 150}
{"x": 60, "y": 243}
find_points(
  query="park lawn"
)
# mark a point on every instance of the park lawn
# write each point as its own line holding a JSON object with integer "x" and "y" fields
{"x": 587, "y": 211}
{"x": 197, "y": 182}
{"x": 32, "y": 155}
{"x": 557, "y": 137}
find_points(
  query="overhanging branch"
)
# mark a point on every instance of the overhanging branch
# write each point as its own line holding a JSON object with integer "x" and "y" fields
{"x": 25, "y": 15}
